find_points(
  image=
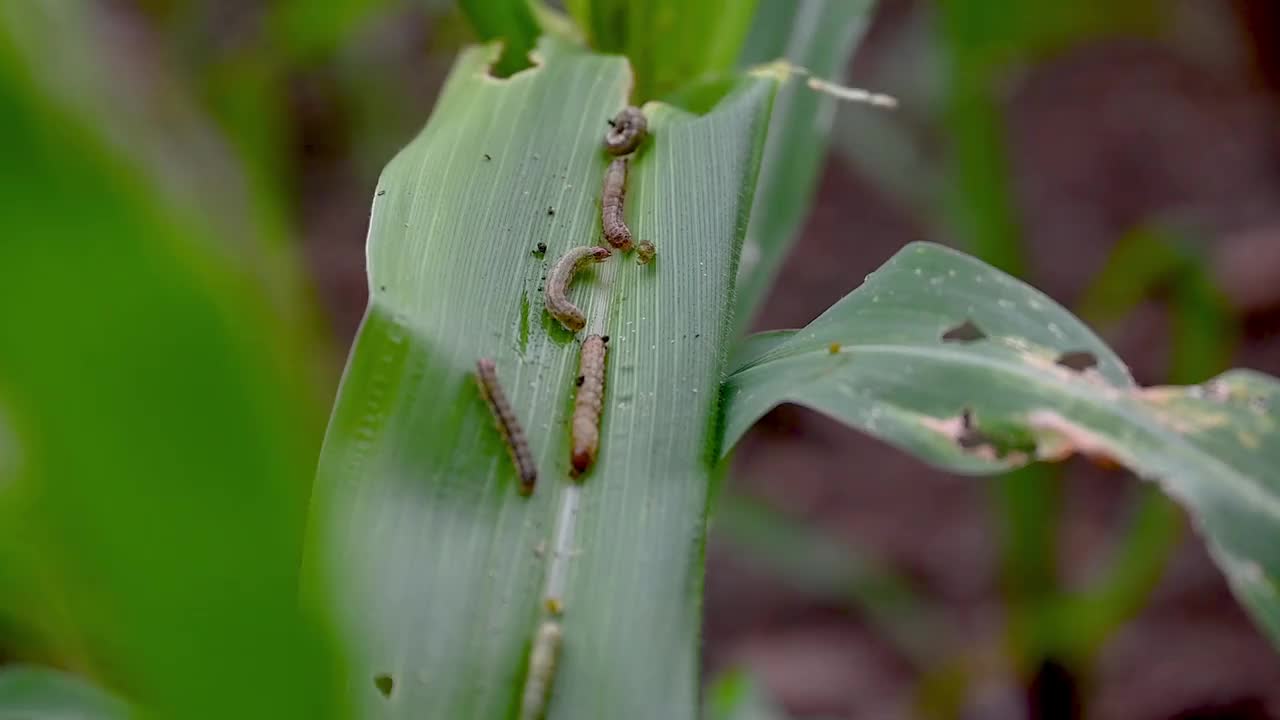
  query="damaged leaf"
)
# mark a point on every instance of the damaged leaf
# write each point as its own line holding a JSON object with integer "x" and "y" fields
{"x": 1041, "y": 386}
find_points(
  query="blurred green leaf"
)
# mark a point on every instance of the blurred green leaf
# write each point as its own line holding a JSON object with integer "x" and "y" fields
{"x": 819, "y": 35}
{"x": 34, "y": 693}
{"x": 668, "y": 42}
{"x": 440, "y": 566}
{"x": 157, "y": 424}
{"x": 934, "y": 334}
{"x": 1154, "y": 260}
{"x": 302, "y": 30}
{"x": 511, "y": 21}
{"x": 735, "y": 695}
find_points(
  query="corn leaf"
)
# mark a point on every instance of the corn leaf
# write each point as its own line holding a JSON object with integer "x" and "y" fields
{"x": 975, "y": 372}
{"x": 440, "y": 566}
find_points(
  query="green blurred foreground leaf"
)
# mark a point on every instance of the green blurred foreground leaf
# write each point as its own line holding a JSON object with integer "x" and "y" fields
{"x": 439, "y": 566}
{"x": 34, "y": 693}
{"x": 735, "y": 695}
{"x": 935, "y": 337}
{"x": 155, "y": 429}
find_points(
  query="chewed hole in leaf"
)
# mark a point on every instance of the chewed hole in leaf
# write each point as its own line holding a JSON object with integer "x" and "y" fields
{"x": 997, "y": 441}
{"x": 965, "y": 332}
{"x": 1078, "y": 360}
{"x": 384, "y": 683}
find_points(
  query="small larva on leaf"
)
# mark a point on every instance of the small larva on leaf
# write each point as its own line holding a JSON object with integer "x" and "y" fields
{"x": 508, "y": 426}
{"x": 542, "y": 670}
{"x": 645, "y": 252}
{"x": 612, "y": 216}
{"x": 587, "y": 403}
{"x": 558, "y": 280}
{"x": 627, "y": 131}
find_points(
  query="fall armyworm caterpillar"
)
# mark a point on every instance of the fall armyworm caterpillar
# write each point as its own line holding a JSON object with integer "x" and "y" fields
{"x": 612, "y": 216}
{"x": 562, "y": 273}
{"x": 509, "y": 427}
{"x": 627, "y": 131}
{"x": 588, "y": 403}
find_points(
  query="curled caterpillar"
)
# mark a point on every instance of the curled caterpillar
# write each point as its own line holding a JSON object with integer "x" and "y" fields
{"x": 557, "y": 299}
{"x": 505, "y": 418}
{"x": 588, "y": 402}
{"x": 542, "y": 670}
{"x": 612, "y": 216}
{"x": 627, "y": 131}
{"x": 645, "y": 252}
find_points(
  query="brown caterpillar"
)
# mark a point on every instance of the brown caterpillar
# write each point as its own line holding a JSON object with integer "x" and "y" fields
{"x": 557, "y": 298}
{"x": 588, "y": 402}
{"x": 627, "y": 131}
{"x": 612, "y": 216}
{"x": 505, "y": 418}
{"x": 542, "y": 670}
{"x": 645, "y": 252}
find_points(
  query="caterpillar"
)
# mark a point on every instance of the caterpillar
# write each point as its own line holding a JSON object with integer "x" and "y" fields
{"x": 557, "y": 298}
{"x": 645, "y": 252}
{"x": 509, "y": 427}
{"x": 612, "y": 216}
{"x": 542, "y": 670}
{"x": 588, "y": 402}
{"x": 627, "y": 131}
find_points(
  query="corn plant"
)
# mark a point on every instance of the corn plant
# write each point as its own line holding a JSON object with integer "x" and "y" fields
{"x": 154, "y": 424}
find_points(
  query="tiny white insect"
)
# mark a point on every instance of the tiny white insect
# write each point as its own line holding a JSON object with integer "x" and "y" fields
{"x": 542, "y": 670}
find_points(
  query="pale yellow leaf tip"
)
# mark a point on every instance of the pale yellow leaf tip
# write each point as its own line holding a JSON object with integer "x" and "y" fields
{"x": 781, "y": 70}
{"x": 852, "y": 94}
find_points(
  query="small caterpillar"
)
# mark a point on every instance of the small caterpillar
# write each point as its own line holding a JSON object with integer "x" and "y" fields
{"x": 557, "y": 298}
{"x": 645, "y": 252}
{"x": 505, "y": 418}
{"x": 628, "y": 129}
{"x": 542, "y": 670}
{"x": 612, "y": 216}
{"x": 588, "y": 402}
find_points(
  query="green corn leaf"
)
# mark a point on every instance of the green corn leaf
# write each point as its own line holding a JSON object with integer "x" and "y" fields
{"x": 973, "y": 371}
{"x": 439, "y": 565}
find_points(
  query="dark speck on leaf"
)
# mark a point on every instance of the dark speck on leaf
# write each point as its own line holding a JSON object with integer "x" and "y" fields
{"x": 605, "y": 338}
{"x": 581, "y": 379}
{"x": 551, "y": 211}
{"x": 384, "y": 683}
{"x": 1078, "y": 360}
{"x": 486, "y": 157}
{"x": 381, "y": 193}
{"x": 383, "y": 288}
{"x": 965, "y": 332}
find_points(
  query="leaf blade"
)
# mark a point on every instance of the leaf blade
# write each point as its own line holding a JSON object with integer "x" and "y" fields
{"x": 441, "y": 566}
{"x": 896, "y": 378}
